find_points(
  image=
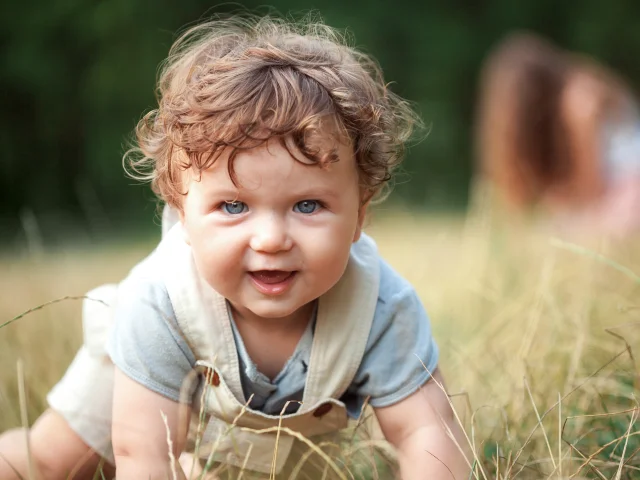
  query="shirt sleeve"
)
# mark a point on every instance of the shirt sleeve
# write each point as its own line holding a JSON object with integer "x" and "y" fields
{"x": 401, "y": 353}
{"x": 145, "y": 343}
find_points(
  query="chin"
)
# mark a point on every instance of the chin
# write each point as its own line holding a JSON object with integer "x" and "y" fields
{"x": 274, "y": 311}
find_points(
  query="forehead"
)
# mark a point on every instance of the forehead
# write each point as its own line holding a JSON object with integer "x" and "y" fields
{"x": 275, "y": 165}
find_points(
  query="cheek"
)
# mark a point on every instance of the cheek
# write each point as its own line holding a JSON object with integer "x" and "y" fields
{"x": 216, "y": 252}
{"x": 329, "y": 253}
{"x": 330, "y": 268}
{"x": 219, "y": 269}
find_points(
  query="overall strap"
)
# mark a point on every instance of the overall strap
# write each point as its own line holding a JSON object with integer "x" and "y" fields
{"x": 200, "y": 311}
{"x": 345, "y": 315}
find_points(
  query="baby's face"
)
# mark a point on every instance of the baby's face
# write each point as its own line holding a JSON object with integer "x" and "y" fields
{"x": 282, "y": 237}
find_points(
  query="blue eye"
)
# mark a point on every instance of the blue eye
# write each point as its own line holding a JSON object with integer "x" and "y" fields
{"x": 306, "y": 206}
{"x": 234, "y": 208}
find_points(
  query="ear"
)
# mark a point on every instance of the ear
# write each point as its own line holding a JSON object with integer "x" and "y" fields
{"x": 362, "y": 213}
{"x": 185, "y": 233}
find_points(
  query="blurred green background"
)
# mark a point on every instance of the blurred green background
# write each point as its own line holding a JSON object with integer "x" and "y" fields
{"x": 78, "y": 74}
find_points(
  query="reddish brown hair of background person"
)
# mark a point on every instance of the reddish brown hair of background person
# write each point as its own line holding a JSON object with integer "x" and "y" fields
{"x": 539, "y": 123}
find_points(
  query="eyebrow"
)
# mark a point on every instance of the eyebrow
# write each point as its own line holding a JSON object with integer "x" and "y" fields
{"x": 222, "y": 192}
{"x": 316, "y": 192}
{"x": 308, "y": 193}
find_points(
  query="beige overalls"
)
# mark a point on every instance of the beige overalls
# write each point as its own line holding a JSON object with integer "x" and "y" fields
{"x": 224, "y": 432}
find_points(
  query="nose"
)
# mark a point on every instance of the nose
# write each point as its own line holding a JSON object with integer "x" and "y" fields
{"x": 271, "y": 235}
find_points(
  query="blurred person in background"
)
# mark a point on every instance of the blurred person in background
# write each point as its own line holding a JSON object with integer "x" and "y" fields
{"x": 558, "y": 133}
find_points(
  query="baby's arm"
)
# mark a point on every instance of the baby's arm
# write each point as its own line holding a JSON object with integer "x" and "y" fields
{"x": 140, "y": 441}
{"x": 417, "y": 427}
{"x": 152, "y": 361}
{"x": 395, "y": 374}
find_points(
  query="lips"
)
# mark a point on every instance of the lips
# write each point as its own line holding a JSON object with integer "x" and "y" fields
{"x": 272, "y": 282}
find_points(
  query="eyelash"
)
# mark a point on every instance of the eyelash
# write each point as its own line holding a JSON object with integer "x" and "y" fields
{"x": 221, "y": 206}
{"x": 319, "y": 204}
{"x": 225, "y": 203}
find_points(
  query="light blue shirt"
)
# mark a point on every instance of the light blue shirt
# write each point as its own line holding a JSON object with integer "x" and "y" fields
{"x": 621, "y": 141}
{"x": 145, "y": 345}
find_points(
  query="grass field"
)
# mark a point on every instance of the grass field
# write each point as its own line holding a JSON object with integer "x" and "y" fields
{"x": 537, "y": 336}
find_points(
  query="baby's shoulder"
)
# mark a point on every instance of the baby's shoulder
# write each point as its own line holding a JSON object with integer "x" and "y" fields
{"x": 399, "y": 310}
{"x": 144, "y": 282}
{"x": 393, "y": 286}
{"x": 400, "y": 343}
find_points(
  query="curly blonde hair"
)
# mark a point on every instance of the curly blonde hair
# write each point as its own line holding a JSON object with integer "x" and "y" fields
{"x": 233, "y": 84}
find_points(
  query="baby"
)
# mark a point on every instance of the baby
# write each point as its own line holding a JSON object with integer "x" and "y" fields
{"x": 265, "y": 318}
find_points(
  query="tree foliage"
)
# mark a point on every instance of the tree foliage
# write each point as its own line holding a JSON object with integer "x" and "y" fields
{"x": 77, "y": 74}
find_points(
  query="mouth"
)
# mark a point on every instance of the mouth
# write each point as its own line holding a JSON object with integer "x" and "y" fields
{"x": 272, "y": 282}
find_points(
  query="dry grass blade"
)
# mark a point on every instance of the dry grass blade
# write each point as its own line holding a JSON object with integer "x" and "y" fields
{"x": 309, "y": 443}
{"x": 559, "y": 435}
{"x": 591, "y": 457}
{"x": 25, "y": 420}
{"x": 82, "y": 462}
{"x": 455, "y": 413}
{"x": 636, "y": 379}
{"x": 586, "y": 463}
{"x": 302, "y": 460}
{"x": 630, "y": 457}
{"x": 626, "y": 442}
{"x": 572, "y": 247}
{"x": 600, "y": 415}
{"x": 274, "y": 458}
{"x": 575, "y": 389}
{"x": 245, "y": 461}
{"x": 13, "y": 469}
{"x": 544, "y": 433}
{"x": 445, "y": 465}
{"x": 51, "y": 302}
{"x": 172, "y": 457}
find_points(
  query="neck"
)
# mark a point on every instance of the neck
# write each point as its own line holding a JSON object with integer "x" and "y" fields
{"x": 296, "y": 320}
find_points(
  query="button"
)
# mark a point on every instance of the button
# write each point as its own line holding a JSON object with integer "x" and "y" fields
{"x": 212, "y": 377}
{"x": 322, "y": 410}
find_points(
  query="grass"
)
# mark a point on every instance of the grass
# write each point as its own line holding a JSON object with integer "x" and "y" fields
{"x": 538, "y": 337}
